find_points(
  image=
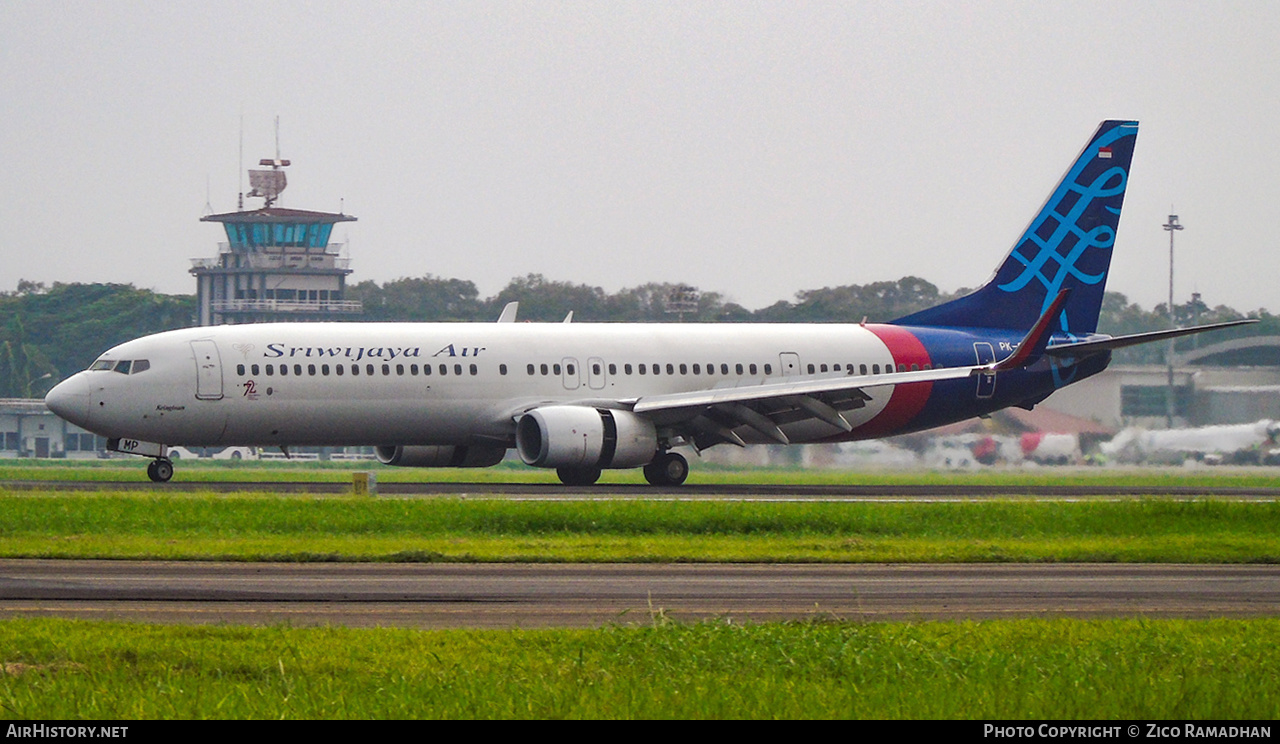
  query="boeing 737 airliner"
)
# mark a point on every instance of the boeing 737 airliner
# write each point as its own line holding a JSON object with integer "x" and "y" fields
{"x": 581, "y": 397}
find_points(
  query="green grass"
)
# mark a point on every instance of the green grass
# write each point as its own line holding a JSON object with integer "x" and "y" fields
{"x": 303, "y": 527}
{"x": 1017, "y": 669}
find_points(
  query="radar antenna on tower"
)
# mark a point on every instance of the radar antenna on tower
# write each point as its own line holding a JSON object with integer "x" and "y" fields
{"x": 267, "y": 184}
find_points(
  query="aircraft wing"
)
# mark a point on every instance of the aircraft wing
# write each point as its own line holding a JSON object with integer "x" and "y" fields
{"x": 711, "y": 415}
{"x": 1084, "y": 348}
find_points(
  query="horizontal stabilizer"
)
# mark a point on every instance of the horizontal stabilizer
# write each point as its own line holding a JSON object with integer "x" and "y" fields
{"x": 1084, "y": 348}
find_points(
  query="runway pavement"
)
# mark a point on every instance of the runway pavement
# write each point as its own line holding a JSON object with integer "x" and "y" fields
{"x": 739, "y": 492}
{"x": 578, "y": 595}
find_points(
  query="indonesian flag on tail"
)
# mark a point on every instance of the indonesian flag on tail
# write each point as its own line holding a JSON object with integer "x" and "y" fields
{"x": 1104, "y": 152}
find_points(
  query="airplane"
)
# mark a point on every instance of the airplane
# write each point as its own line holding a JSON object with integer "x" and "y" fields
{"x": 585, "y": 397}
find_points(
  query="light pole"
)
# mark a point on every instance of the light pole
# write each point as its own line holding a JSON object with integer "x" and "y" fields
{"x": 1170, "y": 227}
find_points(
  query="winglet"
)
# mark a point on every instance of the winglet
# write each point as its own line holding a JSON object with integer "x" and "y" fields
{"x": 509, "y": 313}
{"x": 1033, "y": 344}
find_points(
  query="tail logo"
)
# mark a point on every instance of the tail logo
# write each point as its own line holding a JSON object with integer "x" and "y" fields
{"x": 1056, "y": 242}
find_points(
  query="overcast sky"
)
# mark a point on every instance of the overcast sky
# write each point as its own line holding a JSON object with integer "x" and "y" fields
{"x": 752, "y": 149}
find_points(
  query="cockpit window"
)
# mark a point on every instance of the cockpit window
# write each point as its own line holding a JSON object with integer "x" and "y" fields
{"x": 125, "y": 367}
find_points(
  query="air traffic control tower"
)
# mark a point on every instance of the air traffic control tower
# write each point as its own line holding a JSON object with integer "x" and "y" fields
{"x": 277, "y": 264}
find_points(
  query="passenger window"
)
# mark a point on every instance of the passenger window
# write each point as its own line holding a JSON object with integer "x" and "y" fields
{"x": 254, "y": 370}
{"x": 811, "y": 370}
{"x": 543, "y": 369}
{"x": 697, "y": 369}
{"x": 474, "y": 370}
{"x": 400, "y": 369}
{"x": 570, "y": 369}
{"x": 355, "y": 370}
{"x": 902, "y": 368}
{"x": 595, "y": 369}
{"x": 240, "y": 369}
{"x": 336, "y": 368}
{"x": 413, "y": 369}
{"x": 768, "y": 369}
{"x": 444, "y": 370}
{"x": 752, "y": 369}
{"x": 822, "y": 368}
{"x": 368, "y": 369}
{"x": 271, "y": 370}
{"x": 738, "y": 368}
{"x": 502, "y": 369}
{"x": 671, "y": 370}
{"x": 297, "y": 370}
{"x": 724, "y": 369}
{"x": 386, "y": 369}
{"x": 457, "y": 369}
{"x": 862, "y": 369}
{"x": 284, "y": 370}
{"x": 530, "y": 368}
{"x": 426, "y": 370}
{"x": 642, "y": 369}
{"x": 324, "y": 370}
{"x": 613, "y": 368}
{"x": 311, "y": 369}
{"x": 556, "y": 369}
{"x": 626, "y": 368}
{"x": 657, "y": 369}
{"x": 684, "y": 369}
{"x": 915, "y": 368}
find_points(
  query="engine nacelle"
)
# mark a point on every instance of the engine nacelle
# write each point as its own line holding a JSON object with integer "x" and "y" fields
{"x": 474, "y": 456}
{"x": 584, "y": 437}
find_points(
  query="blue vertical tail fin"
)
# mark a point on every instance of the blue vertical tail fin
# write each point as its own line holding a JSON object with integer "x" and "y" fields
{"x": 1067, "y": 246}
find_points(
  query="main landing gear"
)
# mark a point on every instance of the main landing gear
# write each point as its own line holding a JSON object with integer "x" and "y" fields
{"x": 160, "y": 470}
{"x": 578, "y": 476}
{"x": 667, "y": 469}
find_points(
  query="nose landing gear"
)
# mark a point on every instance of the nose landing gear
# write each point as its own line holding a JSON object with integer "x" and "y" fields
{"x": 160, "y": 470}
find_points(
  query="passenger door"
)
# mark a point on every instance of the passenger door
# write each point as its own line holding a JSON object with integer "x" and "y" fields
{"x": 208, "y": 370}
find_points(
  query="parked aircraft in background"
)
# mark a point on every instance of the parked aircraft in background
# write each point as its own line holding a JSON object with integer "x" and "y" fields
{"x": 582, "y": 397}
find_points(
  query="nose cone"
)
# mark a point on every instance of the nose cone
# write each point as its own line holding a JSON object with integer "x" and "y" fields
{"x": 70, "y": 400}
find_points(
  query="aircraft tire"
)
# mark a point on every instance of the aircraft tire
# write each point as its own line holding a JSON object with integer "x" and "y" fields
{"x": 578, "y": 476}
{"x": 160, "y": 471}
{"x": 667, "y": 469}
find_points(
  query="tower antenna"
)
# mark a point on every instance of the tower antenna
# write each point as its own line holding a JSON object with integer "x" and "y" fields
{"x": 268, "y": 184}
{"x": 240, "y": 169}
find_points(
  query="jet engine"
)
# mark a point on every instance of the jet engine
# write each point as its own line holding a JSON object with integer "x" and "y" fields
{"x": 584, "y": 437}
{"x": 475, "y": 456}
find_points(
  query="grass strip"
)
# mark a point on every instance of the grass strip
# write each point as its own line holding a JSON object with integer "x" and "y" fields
{"x": 1045, "y": 669}
{"x": 274, "y": 527}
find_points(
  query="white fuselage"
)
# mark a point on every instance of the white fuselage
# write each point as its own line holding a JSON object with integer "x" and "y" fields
{"x": 439, "y": 383}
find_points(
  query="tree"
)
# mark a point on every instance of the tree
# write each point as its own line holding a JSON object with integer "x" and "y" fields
{"x": 429, "y": 298}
